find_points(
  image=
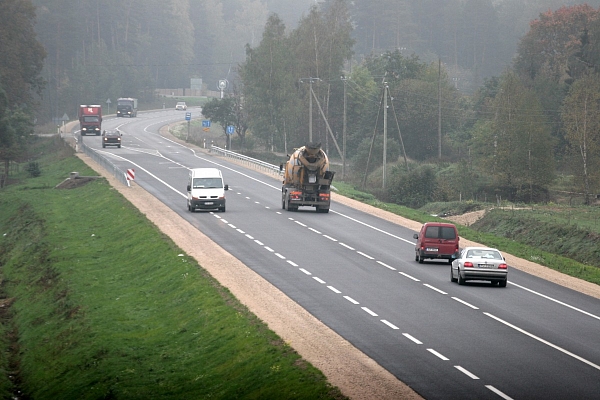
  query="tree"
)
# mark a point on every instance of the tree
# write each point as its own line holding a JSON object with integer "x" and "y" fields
{"x": 22, "y": 54}
{"x": 222, "y": 111}
{"x": 581, "y": 120}
{"x": 549, "y": 47}
{"x": 515, "y": 146}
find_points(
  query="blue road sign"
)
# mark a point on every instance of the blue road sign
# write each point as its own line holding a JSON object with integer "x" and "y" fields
{"x": 206, "y": 123}
{"x": 230, "y": 129}
{"x": 188, "y": 116}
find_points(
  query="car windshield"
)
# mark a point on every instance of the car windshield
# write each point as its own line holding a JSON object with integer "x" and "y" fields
{"x": 180, "y": 104}
{"x": 484, "y": 253}
{"x": 440, "y": 232}
{"x": 207, "y": 183}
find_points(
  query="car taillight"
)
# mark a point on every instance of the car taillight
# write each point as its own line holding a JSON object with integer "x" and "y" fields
{"x": 502, "y": 266}
{"x": 468, "y": 264}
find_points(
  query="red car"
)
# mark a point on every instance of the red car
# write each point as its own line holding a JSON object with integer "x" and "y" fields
{"x": 437, "y": 240}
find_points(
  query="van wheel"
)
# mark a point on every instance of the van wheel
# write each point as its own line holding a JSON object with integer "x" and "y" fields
{"x": 420, "y": 258}
{"x": 222, "y": 209}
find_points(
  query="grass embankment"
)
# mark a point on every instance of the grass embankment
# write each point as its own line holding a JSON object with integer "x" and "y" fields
{"x": 106, "y": 307}
{"x": 566, "y": 240}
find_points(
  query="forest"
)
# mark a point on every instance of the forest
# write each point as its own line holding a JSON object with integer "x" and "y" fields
{"x": 483, "y": 99}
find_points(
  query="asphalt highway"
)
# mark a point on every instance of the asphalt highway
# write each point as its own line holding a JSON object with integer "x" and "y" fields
{"x": 357, "y": 274}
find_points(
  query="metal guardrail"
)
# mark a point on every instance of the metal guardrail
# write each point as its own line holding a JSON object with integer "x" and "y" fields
{"x": 109, "y": 166}
{"x": 262, "y": 165}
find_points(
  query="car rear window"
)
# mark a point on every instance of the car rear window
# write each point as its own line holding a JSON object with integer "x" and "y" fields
{"x": 440, "y": 232}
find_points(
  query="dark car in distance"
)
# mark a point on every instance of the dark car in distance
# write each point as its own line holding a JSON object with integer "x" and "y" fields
{"x": 111, "y": 138}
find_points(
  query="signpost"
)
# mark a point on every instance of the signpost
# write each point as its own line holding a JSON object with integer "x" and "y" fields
{"x": 188, "y": 118}
{"x": 222, "y": 85}
{"x": 108, "y": 106}
{"x": 230, "y": 130}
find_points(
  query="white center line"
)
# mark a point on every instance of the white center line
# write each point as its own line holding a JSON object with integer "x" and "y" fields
{"x": 269, "y": 249}
{"x": 440, "y": 356}
{"x": 300, "y": 223}
{"x": 348, "y": 247}
{"x": 388, "y": 323}
{"x": 318, "y": 280}
{"x": 385, "y": 265}
{"x": 408, "y": 276}
{"x": 464, "y": 371}
{"x": 414, "y": 339}
{"x": 250, "y": 237}
{"x": 465, "y": 303}
{"x": 351, "y": 300}
{"x": 305, "y": 271}
{"x": 434, "y": 288}
{"x": 330, "y": 238}
{"x": 499, "y": 393}
{"x": 370, "y": 312}
{"x": 334, "y": 289}
{"x": 293, "y": 264}
{"x": 280, "y": 256}
{"x": 314, "y": 230}
{"x": 365, "y": 255}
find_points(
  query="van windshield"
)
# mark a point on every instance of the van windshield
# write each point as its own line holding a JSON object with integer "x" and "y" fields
{"x": 440, "y": 232}
{"x": 207, "y": 183}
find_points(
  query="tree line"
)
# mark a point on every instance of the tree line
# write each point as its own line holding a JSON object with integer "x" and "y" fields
{"x": 520, "y": 124}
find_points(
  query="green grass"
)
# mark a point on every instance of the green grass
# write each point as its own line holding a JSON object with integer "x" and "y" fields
{"x": 109, "y": 308}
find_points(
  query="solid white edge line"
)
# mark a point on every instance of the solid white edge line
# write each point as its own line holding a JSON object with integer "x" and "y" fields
{"x": 531, "y": 335}
{"x": 499, "y": 393}
{"x": 370, "y": 312}
{"x": 438, "y": 355}
{"x": 556, "y": 301}
{"x": 388, "y": 323}
{"x": 411, "y": 337}
{"x": 434, "y": 288}
{"x": 351, "y": 300}
{"x": 385, "y": 265}
{"x": 464, "y": 371}
{"x": 465, "y": 303}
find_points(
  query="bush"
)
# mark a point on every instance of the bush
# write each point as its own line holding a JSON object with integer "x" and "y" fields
{"x": 33, "y": 169}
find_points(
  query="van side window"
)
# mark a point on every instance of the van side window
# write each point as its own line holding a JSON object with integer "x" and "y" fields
{"x": 440, "y": 232}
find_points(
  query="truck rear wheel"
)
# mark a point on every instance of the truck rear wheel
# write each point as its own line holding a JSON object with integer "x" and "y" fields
{"x": 321, "y": 209}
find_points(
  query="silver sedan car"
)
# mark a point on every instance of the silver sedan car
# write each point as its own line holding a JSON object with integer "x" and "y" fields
{"x": 479, "y": 264}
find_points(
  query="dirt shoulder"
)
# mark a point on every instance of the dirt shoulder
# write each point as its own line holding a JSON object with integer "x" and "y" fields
{"x": 346, "y": 367}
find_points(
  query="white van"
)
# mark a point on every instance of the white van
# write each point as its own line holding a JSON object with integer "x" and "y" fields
{"x": 205, "y": 190}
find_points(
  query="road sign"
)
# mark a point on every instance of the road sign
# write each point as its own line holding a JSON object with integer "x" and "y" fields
{"x": 230, "y": 129}
{"x": 206, "y": 123}
{"x": 188, "y": 116}
{"x": 130, "y": 174}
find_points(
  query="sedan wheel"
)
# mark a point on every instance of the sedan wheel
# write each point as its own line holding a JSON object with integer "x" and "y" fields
{"x": 503, "y": 283}
{"x": 452, "y": 278}
{"x": 461, "y": 280}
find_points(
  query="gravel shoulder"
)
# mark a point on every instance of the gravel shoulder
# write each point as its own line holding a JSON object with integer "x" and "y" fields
{"x": 357, "y": 376}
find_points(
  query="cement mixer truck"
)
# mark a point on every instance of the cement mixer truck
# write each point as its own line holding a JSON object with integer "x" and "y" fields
{"x": 307, "y": 179}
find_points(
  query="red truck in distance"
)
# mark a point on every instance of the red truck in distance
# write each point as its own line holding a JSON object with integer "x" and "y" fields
{"x": 90, "y": 119}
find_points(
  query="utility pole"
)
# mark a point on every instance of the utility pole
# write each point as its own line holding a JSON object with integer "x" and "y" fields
{"x": 440, "y": 110}
{"x": 385, "y": 107}
{"x": 344, "y": 79}
{"x": 310, "y": 106}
